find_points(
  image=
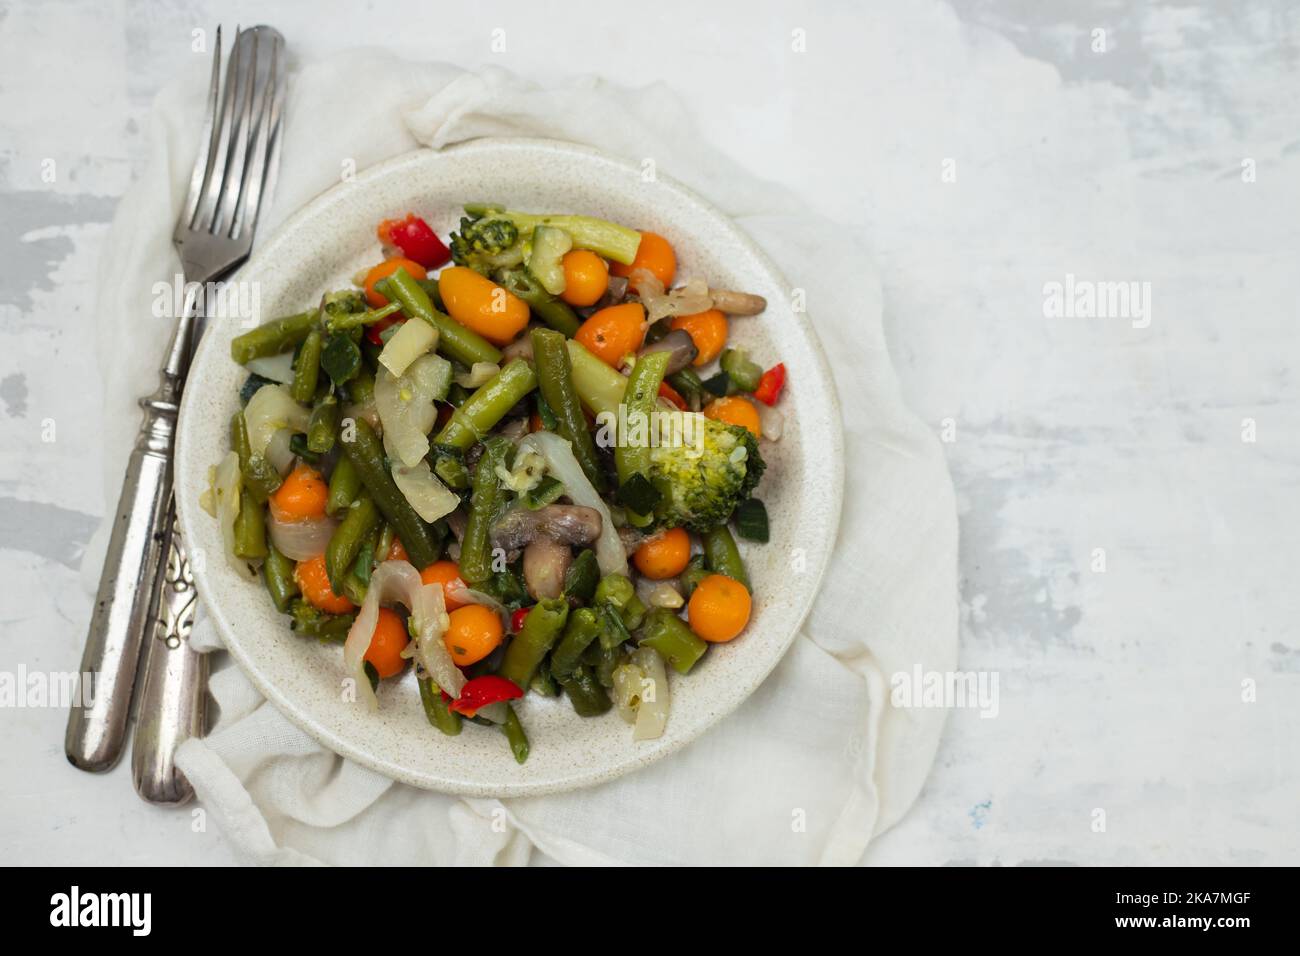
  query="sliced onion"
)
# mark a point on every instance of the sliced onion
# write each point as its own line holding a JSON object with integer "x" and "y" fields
{"x": 278, "y": 452}
{"x": 652, "y": 714}
{"x": 478, "y": 374}
{"x": 408, "y": 343}
{"x": 405, "y": 406}
{"x": 565, "y": 469}
{"x": 770, "y": 421}
{"x": 301, "y": 540}
{"x": 277, "y": 368}
{"x": 226, "y": 483}
{"x": 270, "y": 409}
{"x": 628, "y": 679}
{"x": 430, "y": 498}
{"x": 689, "y": 299}
{"x": 398, "y": 582}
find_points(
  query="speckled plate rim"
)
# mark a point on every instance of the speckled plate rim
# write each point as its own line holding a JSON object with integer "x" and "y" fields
{"x": 822, "y": 394}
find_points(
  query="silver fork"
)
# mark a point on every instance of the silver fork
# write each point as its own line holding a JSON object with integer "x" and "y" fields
{"x": 232, "y": 180}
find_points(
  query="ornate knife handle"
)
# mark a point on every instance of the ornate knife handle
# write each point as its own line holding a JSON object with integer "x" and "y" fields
{"x": 173, "y": 699}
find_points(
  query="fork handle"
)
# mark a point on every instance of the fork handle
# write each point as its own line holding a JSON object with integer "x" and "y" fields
{"x": 171, "y": 705}
{"x": 98, "y": 719}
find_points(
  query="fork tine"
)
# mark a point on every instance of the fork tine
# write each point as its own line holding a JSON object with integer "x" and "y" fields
{"x": 206, "y": 138}
{"x": 251, "y": 189}
{"x": 205, "y": 214}
{"x": 276, "y": 133}
{"x": 239, "y": 139}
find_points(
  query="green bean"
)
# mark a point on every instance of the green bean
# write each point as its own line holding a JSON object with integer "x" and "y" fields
{"x": 541, "y": 629}
{"x": 722, "y": 555}
{"x": 277, "y": 571}
{"x": 361, "y": 390}
{"x": 366, "y": 453}
{"x": 430, "y": 287}
{"x": 436, "y": 709}
{"x": 606, "y": 661}
{"x": 313, "y": 622}
{"x": 586, "y": 694}
{"x": 260, "y": 477}
{"x": 346, "y": 541}
{"x": 488, "y": 405}
{"x": 363, "y": 566}
{"x": 582, "y": 629}
{"x": 543, "y": 683}
{"x": 307, "y": 368}
{"x": 454, "y": 340}
{"x": 673, "y": 639}
{"x": 555, "y": 382}
{"x": 632, "y": 454}
{"x": 514, "y": 732}
{"x": 274, "y": 337}
{"x": 345, "y": 485}
{"x": 323, "y": 426}
{"x": 475, "y": 549}
{"x": 384, "y": 543}
{"x": 556, "y": 313}
{"x": 250, "y": 528}
{"x": 641, "y": 399}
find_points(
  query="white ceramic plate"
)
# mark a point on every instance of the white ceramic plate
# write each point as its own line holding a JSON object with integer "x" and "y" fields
{"x": 321, "y": 248}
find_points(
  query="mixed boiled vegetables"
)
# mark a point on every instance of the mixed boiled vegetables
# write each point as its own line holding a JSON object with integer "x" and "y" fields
{"x": 451, "y": 472}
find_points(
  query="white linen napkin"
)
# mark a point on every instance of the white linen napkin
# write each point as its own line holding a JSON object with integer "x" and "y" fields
{"x": 817, "y": 761}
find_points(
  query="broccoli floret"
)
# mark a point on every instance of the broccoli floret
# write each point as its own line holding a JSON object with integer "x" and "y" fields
{"x": 702, "y": 478}
{"x": 486, "y": 242}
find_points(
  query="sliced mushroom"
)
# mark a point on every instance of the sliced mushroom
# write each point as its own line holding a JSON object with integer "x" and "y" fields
{"x": 737, "y": 303}
{"x": 545, "y": 563}
{"x": 680, "y": 348}
{"x": 521, "y": 347}
{"x": 456, "y": 522}
{"x": 566, "y": 524}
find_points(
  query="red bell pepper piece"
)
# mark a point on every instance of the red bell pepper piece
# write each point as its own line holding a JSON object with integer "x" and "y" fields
{"x": 416, "y": 240}
{"x": 770, "y": 385}
{"x": 517, "y": 619}
{"x": 482, "y": 691}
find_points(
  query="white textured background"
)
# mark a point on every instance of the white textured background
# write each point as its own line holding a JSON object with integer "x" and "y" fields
{"x": 1120, "y": 690}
